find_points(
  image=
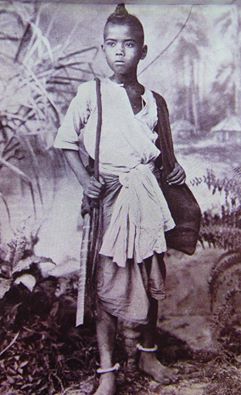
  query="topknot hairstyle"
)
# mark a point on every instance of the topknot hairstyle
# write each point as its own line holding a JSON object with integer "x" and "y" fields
{"x": 122, "y": 17}
{"x": 120, "y": 11}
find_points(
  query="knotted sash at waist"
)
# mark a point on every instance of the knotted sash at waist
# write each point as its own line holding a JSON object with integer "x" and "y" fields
{"x": 139, "y": 218}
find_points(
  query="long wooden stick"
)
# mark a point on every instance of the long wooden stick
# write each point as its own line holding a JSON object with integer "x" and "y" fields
{"x": 90, "y": 225}
{"x": 82, "y": 270}
{"x": 98, "y": 130}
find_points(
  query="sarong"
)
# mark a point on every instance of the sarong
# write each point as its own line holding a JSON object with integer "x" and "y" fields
{"x": 125, "y": 291}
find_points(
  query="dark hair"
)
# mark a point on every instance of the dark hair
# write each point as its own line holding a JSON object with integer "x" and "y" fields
{"x": 121, "y": 17}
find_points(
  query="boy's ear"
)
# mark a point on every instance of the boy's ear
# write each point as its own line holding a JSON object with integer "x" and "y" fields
{"x": 144, "y": 52}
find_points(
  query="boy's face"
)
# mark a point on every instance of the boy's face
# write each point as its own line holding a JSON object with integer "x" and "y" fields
{"x": 123, "y": 48}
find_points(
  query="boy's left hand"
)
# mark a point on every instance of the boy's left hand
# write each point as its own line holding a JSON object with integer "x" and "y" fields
{"x": 177, "y": 176}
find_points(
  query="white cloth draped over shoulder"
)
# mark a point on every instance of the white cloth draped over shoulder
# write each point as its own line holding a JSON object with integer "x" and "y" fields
{"x": 140, "y": 213}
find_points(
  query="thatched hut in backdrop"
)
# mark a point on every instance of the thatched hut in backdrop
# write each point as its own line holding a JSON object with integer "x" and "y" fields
{"x": 228, "y": 130}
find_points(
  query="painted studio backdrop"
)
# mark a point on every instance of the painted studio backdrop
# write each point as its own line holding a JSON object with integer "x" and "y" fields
{"x": 46, "y": 50}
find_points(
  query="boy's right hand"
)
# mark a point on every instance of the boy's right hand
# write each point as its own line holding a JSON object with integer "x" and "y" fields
{"x": 91, "y": 195}
{"x": 94, "y": 188}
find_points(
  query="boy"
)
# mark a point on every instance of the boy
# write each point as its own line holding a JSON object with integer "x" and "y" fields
{"x": 130, "y": 270}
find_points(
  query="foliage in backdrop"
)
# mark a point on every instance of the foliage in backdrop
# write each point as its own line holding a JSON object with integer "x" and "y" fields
{"x": 38, "y": 80}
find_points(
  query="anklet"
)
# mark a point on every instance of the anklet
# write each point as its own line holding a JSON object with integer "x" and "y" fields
{"x": 152, "y": 349}
{"x": 114, "y": 368}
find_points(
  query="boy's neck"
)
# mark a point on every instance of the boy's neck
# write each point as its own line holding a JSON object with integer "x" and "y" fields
{"x": 125, "y": 79}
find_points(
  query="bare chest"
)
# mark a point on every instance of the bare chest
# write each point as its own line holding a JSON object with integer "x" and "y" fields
{"x": 135, "y": 98}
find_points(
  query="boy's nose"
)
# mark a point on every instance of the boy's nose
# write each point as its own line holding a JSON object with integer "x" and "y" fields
{"x": 120, "y": 49}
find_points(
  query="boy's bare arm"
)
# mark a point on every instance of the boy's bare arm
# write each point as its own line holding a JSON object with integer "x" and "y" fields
{"x": 77, "y": 166}
{"x": 92, "y": 188}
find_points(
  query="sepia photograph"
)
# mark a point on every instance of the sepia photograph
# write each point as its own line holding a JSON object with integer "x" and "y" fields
{"x": 120, "y": 197}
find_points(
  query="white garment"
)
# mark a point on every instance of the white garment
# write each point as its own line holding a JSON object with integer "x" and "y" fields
{"x": 139, "y": 218}
{"x": 76, "y": 117}
{"x": 127, "y": 149}
{"x": 126, "y": 139}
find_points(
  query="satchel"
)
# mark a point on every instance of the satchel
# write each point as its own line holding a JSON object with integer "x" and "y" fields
{"x": 181, "y": 202}
{"x": 187, "y": 216}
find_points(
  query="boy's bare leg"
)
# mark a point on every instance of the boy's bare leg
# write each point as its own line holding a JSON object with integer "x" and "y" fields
{"x": 106, "y": 335}
{"x": 148, "y": 361}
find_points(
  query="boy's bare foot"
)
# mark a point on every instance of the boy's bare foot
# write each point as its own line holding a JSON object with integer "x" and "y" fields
{"x": 107, "y": 384}
{"x": 149, "y": 364}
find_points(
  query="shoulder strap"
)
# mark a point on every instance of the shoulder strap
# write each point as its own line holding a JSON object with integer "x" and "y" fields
{"x": 98, "y": 128}
{"x": 164, "y": 135}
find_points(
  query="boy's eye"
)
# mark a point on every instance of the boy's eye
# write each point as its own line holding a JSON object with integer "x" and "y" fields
{"x": 130, "y": 45}
{"x": 110, "y": 43}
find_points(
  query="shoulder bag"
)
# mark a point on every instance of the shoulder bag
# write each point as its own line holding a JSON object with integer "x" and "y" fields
{"x": 182, "y": 203}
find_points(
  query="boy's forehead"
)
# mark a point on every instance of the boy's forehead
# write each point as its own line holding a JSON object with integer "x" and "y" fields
{"x": 121, "y": 31}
